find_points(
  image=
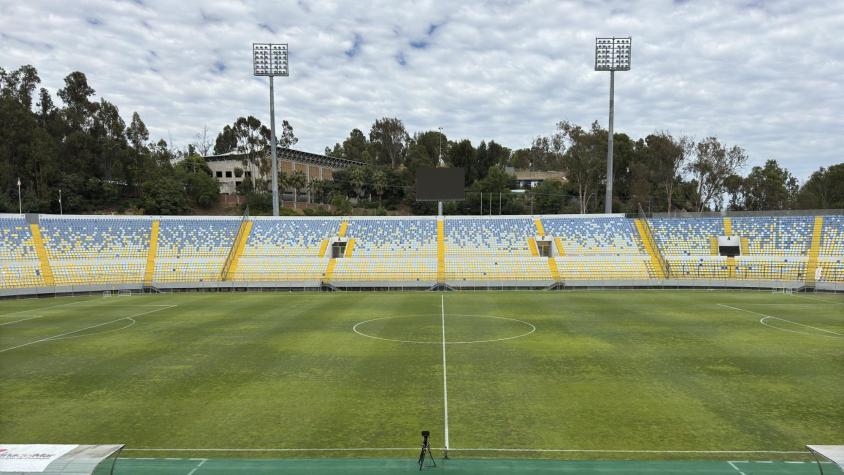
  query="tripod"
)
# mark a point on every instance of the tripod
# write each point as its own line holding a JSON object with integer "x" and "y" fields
{"x": 426, "y": 449}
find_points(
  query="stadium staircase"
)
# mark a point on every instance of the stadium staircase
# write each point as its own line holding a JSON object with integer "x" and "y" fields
{"x": 657, "y": 260}
{"x": 814, "y": 252}
{"x": 332, "y": 263}
{"x": 153, "y": 250}
{"x": 552, "y": 263}
{"x": 728, "y": 226}
{"x": 440, "y": 251}
{"x": 236, "y": 249}
{"x": 239, "y": 244}
{"x": 41, "y": 252}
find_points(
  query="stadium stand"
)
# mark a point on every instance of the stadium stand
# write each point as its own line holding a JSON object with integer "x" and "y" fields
{"x": 395, "y": 237}
{"x": 600, "y": 236}
{"x": 79, "y": 251}
{"x": 402, "y": 249}
{"x": 687, "y": 246}
{"x": 775, "y": 235}
{"x": 286, "y": 250}
{"x": 193, "y": 249}
{"x": 483, "y": 250}
{"x": 19, "y": 263}
{"x": 686, "y": 236}
{"x": 773, "y": 248}
{"x": 831, "y": 251}
{"x": 96, "y": 249}
{"x": 599, "y": 248}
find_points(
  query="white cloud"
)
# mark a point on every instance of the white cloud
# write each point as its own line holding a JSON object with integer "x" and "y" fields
{"x": 761, "y": 75}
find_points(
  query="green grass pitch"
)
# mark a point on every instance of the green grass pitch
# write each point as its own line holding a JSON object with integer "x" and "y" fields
{"x": 592, "y": 370}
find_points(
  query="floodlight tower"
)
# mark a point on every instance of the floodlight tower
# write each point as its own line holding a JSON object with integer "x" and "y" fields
{"x": 611, "y": 54}
{"x": 440, "y": 163}
{"x": 270, "y": 59}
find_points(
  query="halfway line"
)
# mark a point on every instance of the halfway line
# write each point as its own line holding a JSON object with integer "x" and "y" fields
{"x": 445, "y": 378}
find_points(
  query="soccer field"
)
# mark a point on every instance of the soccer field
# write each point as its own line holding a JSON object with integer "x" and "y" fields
{"x": 642, "y": 375}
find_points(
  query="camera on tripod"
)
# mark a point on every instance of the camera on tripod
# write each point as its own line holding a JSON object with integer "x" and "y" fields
{"x": 426, "y": 450}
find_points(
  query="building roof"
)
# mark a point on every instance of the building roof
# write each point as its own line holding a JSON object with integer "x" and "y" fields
{"x": 293, "y": 156}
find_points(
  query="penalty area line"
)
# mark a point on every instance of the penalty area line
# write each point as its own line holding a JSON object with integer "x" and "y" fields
{"x": 21, "y": 320}
{"x": 62, "y": 335}
{"x": 765, "y": 317}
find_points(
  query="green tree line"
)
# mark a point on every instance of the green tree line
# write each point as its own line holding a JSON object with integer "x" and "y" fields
{"x": 83, "y": 152}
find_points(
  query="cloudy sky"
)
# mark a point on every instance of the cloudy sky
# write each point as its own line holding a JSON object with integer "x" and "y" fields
{"x": 765, "y": 75}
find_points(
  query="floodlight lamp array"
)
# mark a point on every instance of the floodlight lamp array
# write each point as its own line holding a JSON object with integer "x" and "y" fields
{"x": 612, "y": 54}
{"x": 270, "y": 59}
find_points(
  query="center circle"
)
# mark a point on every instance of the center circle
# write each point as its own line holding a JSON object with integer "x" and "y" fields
{"x": 427, "y": 329}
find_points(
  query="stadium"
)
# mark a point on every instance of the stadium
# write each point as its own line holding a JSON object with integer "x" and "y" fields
{"x": 401, "y": 237}
{"x": 599, "y": 342}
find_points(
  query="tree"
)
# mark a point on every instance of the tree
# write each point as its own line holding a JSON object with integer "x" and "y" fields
{"x": 200, "y": 187}
{"x": 769, "y": 187}
{"x": 712, "y": 165}
{"x": 353, "y": 148}
{"x": 463, "y": 155}
{"x": 823, "y": 189}
{"x": 423, "y": 151}
{"x": 357, "y": 178}
{"x": 666, "y": 157}
{"x": 76, "y": 96}
{"x": 380, "y": 180}
{"x": 226, "y": 141}
{"x": 202, "y": 142}
{"x": 137, "y": 133}
{"x": 252, "y": 141}
{"x": 734, "y": 186}
{"x": 389, "y": 139}
{"x": 165, "y": 195}
{"x": 297, "y": 181}
{"x": 583, "y": 159}
{"x": 19, "y": 84}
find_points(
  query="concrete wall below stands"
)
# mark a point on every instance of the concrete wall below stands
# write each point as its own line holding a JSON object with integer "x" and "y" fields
{"x": 418, "y": 285}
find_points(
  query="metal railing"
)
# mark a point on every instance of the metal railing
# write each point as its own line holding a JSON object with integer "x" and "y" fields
{"x": 649, "y": 235}
{"x": 233, "y": 250}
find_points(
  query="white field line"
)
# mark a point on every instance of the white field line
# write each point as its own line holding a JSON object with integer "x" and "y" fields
{"x": 733, "y": 464}
{"x": 386, "y": 449}
{"x": 445, "y": 378}
{"x": 38, "y": 309}
{"x": 765, "y": 317}
{"x": 54, "y": 337}
{"x": 131, "y": 322}
{"x": 622, "y": 451}
{"x": 356, "y": 329}
{"x": 197, "y": 466}
{"x": 336, "y": 449}
{"x": 820, "y": 300}
{"x": 128, "y": 305}
{"x": 21, "y": 320}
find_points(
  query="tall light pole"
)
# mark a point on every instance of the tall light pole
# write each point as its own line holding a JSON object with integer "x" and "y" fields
{"x": 270, "y": 59}
{"x": 440, "y": 163}
{"x": 20, "y": 208}
{"x": 61, "y": 211}
{"x": 611, "y": 54}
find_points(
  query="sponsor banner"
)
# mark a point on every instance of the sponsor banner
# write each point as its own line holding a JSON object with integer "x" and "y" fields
{"x": 30, "y": 457}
